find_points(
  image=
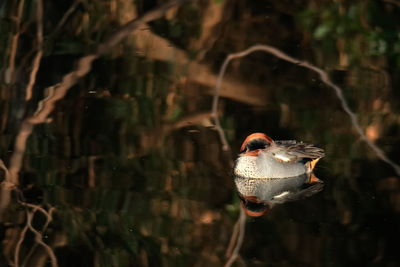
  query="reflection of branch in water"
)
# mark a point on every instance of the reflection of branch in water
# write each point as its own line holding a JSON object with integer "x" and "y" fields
{"x": 47, "y": 106}
{"x": 66, "y": 15}
{"x": 38, "y": 235}
{"x": 238, "y": 232}
{"x": 39, "y": 53}
{"x": 236, "y": 239}
{"x": 59, "y": 91}
{"x": 214, "y": 108}
{"x": 19, "y": 150}
{"x": 84, "y": 64}
{"x": 10, "y": 76}
{"x": 70, "y": 79}
{"x": 49, "y": 218}
{"x": 18, "y": 246}
{"x": 7, "y": 181}
{"x": 324, "y": 78}
{"x": 5, "y": 188}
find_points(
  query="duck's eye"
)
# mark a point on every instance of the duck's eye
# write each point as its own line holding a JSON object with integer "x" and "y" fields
{"x": 257, "y": 144}
{"x": 256, "y": 207}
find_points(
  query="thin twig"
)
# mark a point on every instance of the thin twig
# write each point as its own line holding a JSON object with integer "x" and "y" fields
{"x": 214, "y": 108}
{"x": 239, "y": 228}
{"x": 85, "y": 63}
{"x": 70, "y": 79}
{"x": 48, "y": 104}
{"x": 46, "y": 213}
{"x": 233, "y": 241}
{"x": 18, "y": 245}
{"x": 39, "y": 53}
{"x": 39, "y": 236}
{"x": 242, "y": 223}
{"x": 67, "y": 14}
{"x": 61, "y": 89}
{"x": 14, "y": 42}
{"x": 324, "y": 78}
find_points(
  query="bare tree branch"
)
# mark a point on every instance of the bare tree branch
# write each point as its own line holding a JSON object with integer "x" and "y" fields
{"x": 39, "y": 53}
{"x": 85, "y": 63}
{"x": 67, "y": 14}
{"x": 39, "y": 236}
{"x": 46, "y": 106}
{"x": 14, "y": 43}
{"x": 19, "y": 150}
{"x": 18, "y": 246}
{"x": 238, "y": 231}
{"x": 60, "y": 90}
{"x": 324, "y": 78}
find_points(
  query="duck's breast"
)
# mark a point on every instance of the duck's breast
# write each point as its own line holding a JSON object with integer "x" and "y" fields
{"x": 266, "y": 166}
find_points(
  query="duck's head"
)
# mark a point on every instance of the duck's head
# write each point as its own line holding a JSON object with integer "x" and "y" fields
{"x": 253, "y": 207}
{"x": 255, "y": 142}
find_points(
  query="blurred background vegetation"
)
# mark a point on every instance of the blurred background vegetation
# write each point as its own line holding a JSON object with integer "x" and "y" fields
{"x": 136, "y": 172}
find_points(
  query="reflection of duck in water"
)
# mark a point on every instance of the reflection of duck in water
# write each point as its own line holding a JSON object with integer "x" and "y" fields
{"x": 270, "y": 172}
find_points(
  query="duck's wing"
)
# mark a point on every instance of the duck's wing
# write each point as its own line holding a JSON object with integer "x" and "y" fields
{"x": 293, "y": 151}
{"x": 305, "y": 191}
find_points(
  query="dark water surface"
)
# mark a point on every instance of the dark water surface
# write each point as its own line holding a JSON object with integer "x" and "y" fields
{"x": 129, "y": 166}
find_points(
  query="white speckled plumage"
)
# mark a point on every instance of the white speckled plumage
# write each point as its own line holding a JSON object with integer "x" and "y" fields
{"x": 269, "y": 172}
{"x": 266, "y": 166}
{"x": 262, "y": 157}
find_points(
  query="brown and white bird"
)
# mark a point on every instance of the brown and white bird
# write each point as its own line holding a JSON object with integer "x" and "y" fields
{"x": 269, "y": 172}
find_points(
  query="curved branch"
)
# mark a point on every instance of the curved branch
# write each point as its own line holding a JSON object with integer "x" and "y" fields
{"x": 39, "y": 236}
{"x": 324, "y": 78}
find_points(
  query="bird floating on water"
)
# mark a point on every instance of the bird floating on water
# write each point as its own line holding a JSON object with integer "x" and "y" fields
{"x": 269, "y": 172}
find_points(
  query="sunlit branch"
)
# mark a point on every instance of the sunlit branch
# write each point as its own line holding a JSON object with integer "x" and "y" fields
{"x": 324, "y": 78}
{"x": 30, "y": 212}
{"x": 14, "y": 43}
{"x": 214, "y": 108}
{"x": 18, "y": 245}
{"x": 46, "y": 106}
{"x": 57, "y": 92}
{"x": 238, "y": 231}
{"x": 39, "y": 236}
{"x": 48, "y": 214}
{"x": 39, "y": 53}
{"x": 19, "y": 150}
{"x": 83, "y": 67}
{"x": 6, "y": 187}
{"x": 84, "y": 64}
{"x": 6, "y": 172}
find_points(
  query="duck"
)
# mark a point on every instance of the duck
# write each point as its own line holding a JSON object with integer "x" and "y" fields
{"x": 269, "y": 172}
